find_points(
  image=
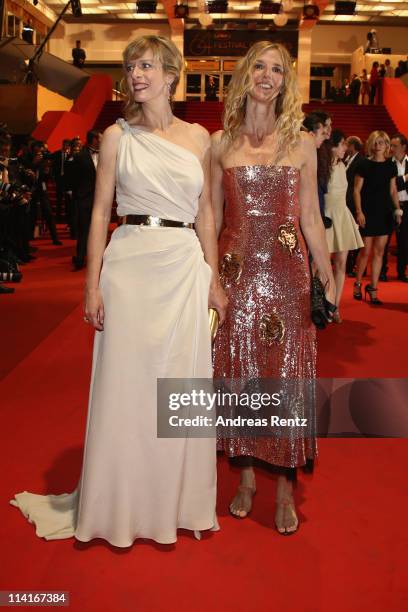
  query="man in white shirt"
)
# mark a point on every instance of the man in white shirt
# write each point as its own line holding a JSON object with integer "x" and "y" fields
{"x": 400, "y": 158}
{"x": 389, "y": 70}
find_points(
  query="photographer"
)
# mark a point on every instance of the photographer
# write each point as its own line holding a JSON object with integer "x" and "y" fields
{"x": 39, "y": 162}
{"x": 14, "y": 198}
{"x": 59, "y": 159}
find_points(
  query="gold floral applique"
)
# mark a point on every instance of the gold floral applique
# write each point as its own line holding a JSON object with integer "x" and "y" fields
{"x": 230, "y": 268}
{"x": 272, "y": 329}
{"x": 287, "y": 236}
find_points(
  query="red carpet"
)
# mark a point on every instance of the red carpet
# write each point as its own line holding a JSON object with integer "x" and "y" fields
{"x": 349, "y": 554}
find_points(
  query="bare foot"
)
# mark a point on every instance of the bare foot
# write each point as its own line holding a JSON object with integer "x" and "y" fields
{"x": 286, "y": 520}
{"x": 241, "y": 505}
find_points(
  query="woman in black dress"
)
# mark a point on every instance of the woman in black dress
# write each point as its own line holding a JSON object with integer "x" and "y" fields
{"x": 375, "y": 195}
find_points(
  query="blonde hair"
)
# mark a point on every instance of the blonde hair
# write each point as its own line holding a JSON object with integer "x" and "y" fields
{"x": 163, "y": 50}
{"x": 371, "y": 140}
{"x": 288, "y": 107}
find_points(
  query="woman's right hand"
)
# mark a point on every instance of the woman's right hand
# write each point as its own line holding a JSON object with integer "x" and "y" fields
{"x": 218, "y": 300}
{"x": 94, "y": 310}
{"x": 361, "y": 220}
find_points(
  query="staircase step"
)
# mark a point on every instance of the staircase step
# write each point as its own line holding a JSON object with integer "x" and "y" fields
{"x": 350, "y": 118}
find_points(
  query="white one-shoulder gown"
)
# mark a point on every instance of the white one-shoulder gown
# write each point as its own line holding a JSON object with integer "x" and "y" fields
{"x": 155, "y": 284}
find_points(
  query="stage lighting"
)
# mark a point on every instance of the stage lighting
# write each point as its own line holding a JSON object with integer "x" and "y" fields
{"x": 267, "y": 7}
{"x": 344, "y": 7}
{"x": 217, "y": 6}
{"x": 181, "y": 11}
{"x": 146, "y": 6}
{"x": 76, "y": 8}
{"x": 311, "y": 11}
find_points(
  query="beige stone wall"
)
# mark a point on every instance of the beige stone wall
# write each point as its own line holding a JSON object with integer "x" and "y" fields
{"x": 50, "y": 101}
{"x": 102, "y": 42}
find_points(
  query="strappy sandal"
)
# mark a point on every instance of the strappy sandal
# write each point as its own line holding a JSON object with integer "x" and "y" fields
{"x": 357, "y": 294}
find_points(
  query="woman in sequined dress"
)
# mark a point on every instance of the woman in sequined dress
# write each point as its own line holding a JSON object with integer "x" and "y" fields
{"x": 264, "y": 168}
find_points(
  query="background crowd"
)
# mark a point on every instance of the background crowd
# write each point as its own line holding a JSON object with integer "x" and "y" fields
{"x": 363, "y": 199}
{"x": 367, "y": 88}
{"x": 30, "y": 176}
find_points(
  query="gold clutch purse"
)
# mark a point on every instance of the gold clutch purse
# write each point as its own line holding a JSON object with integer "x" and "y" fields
{"x": 213, "y": 317}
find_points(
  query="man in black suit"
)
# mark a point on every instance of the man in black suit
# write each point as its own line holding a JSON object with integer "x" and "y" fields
{"x": 354, "y": 156}
{"x": 59, "y": 160}
{"x": 355, "y": 87}
{"x": 399, "y": 151}
{"x": 84, "y": 177}
{"x": 40, "y": 165}
{"x": 78, "y": 55}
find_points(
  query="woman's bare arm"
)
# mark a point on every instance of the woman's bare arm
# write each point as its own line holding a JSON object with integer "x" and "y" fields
{"x": 217, "y": 190}
{"x": 205, "y": 229}
{"x": 394, "y": 197}
{"x": 101, "y": 213}
{"x": 358, "y": 185}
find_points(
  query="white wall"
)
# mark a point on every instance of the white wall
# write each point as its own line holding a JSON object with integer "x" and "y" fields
{"x": 335, "y": 44}
{"x": 102, "y": 42}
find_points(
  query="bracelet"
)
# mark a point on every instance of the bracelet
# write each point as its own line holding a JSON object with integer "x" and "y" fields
{"x": 398, "y": 212}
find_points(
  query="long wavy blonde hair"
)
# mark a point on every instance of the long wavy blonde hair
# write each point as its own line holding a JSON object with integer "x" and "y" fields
{"x": 288, "y": 107}
{"x": 163, "y": 50}
{"x": 371, "y": 141}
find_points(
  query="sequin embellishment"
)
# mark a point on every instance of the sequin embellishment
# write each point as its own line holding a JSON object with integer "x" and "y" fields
{"x": 287, "y": 236}
{"x": 272, "y": 329}
{"x": 230, "y": 268}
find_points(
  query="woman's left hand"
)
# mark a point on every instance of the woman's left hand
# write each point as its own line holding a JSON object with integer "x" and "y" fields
{"x": 218, "y": 300}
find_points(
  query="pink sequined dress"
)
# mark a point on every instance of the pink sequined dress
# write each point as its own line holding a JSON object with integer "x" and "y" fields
{"x": 268, "y": 332}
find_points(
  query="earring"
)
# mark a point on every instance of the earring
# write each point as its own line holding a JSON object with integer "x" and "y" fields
{"x": 169, "y": 90}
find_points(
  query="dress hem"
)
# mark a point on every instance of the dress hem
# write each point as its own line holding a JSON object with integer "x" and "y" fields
{"x": 214, "y": 527}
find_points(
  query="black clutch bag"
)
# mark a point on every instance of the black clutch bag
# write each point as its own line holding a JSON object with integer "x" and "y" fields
{"x": 321, "y": 308}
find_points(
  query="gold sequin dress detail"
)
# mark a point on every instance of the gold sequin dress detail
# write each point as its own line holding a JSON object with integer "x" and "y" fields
{"x": 268, "y": 332}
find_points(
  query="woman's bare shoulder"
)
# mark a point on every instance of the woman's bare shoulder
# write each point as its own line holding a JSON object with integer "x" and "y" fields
{"x": 113, "y": 132}
{"x": 218, "y": 145}
{"x": 200, "y": 132}
{"x": 216, "y": 137}
{"x": 195, "y": 132}
{"x": 306, "y": 140}
{"x": 307, "y": 147}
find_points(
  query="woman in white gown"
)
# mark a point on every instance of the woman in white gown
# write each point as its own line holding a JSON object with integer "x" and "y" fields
{"x": 149, "y": 303}
{"x": 343, "y": 235}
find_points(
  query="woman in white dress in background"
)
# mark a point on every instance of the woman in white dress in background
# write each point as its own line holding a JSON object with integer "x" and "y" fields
{"x": 149, "y": 302}
{"x": 343, "y": 235}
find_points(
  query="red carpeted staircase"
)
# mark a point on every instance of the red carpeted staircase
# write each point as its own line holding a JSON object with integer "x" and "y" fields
{"x": 207, "y": 113}
{"x": 352, "y": 119}
{"x": 356, "y": 120}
